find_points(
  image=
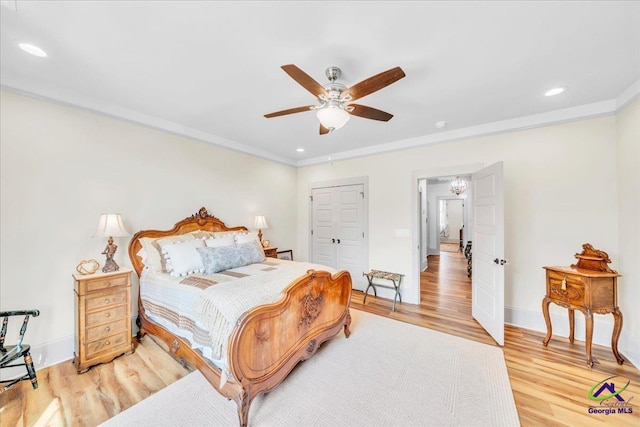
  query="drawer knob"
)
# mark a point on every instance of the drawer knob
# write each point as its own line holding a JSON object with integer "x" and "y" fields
{"x": 108, "y": 328}
{"x": 107, "y": 342}
{"x": 563, "y": 285}
{"x": 108, "y": 314}
{"x": 106, "y": 301}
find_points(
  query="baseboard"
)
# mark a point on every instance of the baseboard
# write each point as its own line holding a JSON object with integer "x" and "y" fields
{"x": 45, "y": 355}
{"x": 628, "y": 346}
{"x": 52, "y": 353}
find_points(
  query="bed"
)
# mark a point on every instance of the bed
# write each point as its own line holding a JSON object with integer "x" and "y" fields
{"x": 258, "y": 350}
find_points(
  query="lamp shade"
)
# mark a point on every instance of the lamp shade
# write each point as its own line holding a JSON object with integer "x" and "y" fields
{"x": 110, "y": 225}
{"x": 332, "y": 117}
{"x": 261, "y": 222}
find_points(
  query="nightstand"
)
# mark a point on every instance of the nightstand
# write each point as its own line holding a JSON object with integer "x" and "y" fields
{"x": 103, "y": 311}
{"x": 589, "y": 286}
{"x": 271, "y": 252}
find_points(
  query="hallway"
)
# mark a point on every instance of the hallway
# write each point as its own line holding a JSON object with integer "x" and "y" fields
{"x": 445, "y": 300}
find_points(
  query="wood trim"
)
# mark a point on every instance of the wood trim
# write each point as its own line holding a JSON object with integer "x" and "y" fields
{"x": 314, "y": 308}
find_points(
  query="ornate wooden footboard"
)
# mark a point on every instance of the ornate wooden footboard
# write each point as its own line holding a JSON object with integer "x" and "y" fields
{"x": 269, "y": 340}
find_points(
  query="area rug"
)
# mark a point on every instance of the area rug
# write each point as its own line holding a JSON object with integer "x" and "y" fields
{"x": 449, "y": 247}
{"x": 388, "y": 373}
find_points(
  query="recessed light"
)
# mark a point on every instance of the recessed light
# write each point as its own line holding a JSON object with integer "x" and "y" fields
{"x": 441, "y": 124}
{"x": 555, "y": 91}
{"x": 33, "y": 50}
{"x": 300, "y": 150}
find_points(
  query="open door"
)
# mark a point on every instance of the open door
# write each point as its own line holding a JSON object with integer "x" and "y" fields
{"x": 487, "y": 305}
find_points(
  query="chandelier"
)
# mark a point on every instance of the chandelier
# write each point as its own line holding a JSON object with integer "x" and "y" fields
{"x": 458, "y": 186}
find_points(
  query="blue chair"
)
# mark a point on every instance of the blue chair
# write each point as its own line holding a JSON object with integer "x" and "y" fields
{"x": 11, "y": 353}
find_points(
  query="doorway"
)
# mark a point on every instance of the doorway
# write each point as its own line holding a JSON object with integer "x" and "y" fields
{"x": 485, "y": 228}
{"x": 451, "y": 221}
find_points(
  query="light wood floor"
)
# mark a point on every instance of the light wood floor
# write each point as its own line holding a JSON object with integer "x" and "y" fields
{"x": 550, "y": 385}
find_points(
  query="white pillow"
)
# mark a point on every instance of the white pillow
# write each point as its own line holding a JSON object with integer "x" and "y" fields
{"x": 248, "y": 237}
{"x": 184, "y": 257}
{"x": 217, "y": 234}
{"x": 220, "y": 241}
{"x": 153, "y": 259}
{"x": 161, "y": 243}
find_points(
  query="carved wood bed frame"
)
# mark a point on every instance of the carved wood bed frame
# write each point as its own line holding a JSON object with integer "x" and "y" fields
{"x": 314, "y": 308}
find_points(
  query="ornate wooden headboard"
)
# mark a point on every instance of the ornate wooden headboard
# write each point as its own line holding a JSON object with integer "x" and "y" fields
{"x": 201, "y": 220}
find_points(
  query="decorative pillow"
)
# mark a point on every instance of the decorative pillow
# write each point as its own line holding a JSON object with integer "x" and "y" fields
{"x": 247, "y": 237}
{"x": 201, "y": 234}
{"x": 153, "y": 259}
{"x": 161, "y": 243}
{"x": 228, "y": 240}
{"x": 228, "y": 257}
{"x": 184, "y": 258}
{"x": 217, "y": 234}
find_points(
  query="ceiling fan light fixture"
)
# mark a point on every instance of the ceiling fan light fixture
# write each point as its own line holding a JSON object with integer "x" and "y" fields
{"x": 332, "y": 117}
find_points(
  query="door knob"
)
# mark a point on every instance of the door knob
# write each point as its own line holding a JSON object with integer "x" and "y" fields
{"x": 338, "y": 241}
{"x": 497, "y": 261}
{"x": 333, "y": 240}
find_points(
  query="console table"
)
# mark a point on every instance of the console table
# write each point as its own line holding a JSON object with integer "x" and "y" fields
{"x": 590, "y": 286}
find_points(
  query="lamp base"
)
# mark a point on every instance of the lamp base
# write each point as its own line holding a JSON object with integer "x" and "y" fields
{"x": 110, "y": 266}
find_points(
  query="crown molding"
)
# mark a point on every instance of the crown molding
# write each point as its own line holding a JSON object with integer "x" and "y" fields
{"x": 628, "y": 95}
{"x": 521, "y": 123}
{"x": 134, "y": 117}
{"x": 580, "y": 112}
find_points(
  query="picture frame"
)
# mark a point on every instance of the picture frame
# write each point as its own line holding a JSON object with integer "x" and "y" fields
{"x": 286, "y": 255}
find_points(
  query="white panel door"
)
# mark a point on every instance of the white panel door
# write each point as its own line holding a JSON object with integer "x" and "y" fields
{"x": 488, "y": 250}
{"x": 324, "y": 232}
{"x": 338, "y": 230}
{"x": 350, "y": 233}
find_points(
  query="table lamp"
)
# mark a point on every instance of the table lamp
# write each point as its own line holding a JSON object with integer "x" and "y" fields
{"x": 110, "y": 225}
{"x": 260, "y": 223}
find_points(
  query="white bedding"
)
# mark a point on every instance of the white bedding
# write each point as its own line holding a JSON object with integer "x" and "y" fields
{"x": 205, "y": 308}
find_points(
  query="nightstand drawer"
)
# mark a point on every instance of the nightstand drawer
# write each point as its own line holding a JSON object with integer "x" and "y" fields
{"x": 105, "y": 299}
{"x": 102, "y": 283}
{"x": 105, "y": 316}
{"x": 102, "y": 331}
{"x": 566, "y": 288}
{"x": 105, "y": 345}
{"x": 271, "y": 252}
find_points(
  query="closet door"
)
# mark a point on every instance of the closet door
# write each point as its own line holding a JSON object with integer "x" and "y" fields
{"x": 338, "y": 230}
{"x": 323, "y": 231}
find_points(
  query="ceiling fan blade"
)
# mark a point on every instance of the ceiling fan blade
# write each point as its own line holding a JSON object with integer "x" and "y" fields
{"x": 323, "y": 130}
{"x": 289, "y": 111}
{"x": 374, "y": 83}
{"x": 305, "y": 80}
{"x": 369, "y": 113}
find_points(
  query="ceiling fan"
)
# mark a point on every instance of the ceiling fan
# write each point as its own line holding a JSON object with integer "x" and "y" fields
{"x": 335, "y": 108}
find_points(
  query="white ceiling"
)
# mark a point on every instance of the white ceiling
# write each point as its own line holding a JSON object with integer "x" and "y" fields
{"x": 211, "y": 70}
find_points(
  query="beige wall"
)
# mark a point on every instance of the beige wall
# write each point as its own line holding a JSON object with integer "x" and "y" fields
{"x": 628, "y": 165}
{"x": 560, "y": 192}
{"x": 61, "y": 167}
